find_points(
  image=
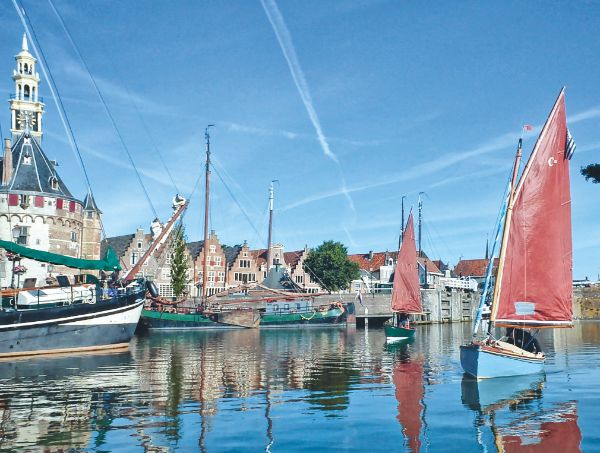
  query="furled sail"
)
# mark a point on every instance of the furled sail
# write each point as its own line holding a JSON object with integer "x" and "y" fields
{"x": 536, "y": 275}
{"x": 406, "y": 295}
{"x": 109, "y": 263}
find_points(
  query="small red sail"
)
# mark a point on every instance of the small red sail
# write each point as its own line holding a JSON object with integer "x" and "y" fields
{"x": 536, "y": 280}
{"x": 408, "y": 380}
{"x": 406, "y": 295}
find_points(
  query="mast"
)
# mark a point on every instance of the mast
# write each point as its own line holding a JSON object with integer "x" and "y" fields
{"x": 402, "y": 225}
{"x": 269, "y": 243}
{"x": 206, "y": 207}
{"x": 507, "y": 219}
{"x": 420, "y": 222}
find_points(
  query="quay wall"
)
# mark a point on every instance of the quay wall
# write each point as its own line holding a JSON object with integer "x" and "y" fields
{"x": 440, "y": 305}
{"x": 586, "y": 302}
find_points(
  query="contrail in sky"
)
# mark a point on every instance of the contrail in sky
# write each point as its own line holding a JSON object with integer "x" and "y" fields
{"x": 289, "y": 52}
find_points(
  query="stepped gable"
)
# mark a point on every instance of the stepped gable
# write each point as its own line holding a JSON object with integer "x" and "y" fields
{"x": 33, "y": 171}
{"x": 119, "y": 244}
{"x": 473, "y": 268}
{"x": 194, "y": 249}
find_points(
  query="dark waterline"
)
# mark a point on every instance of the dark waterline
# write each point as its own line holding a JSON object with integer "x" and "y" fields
{"x": 301, "y": 390}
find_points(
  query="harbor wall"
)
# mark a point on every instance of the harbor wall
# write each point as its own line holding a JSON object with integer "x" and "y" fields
{"x": 440, "y": 305}
{"x": 586, "y": 302}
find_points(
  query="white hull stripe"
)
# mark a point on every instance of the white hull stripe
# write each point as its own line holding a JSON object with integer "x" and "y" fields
{"x": 72, "y": 319}
{"x": 527, "y": 321}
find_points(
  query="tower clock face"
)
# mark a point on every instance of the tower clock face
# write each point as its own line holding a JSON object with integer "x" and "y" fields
{"x": 27, "y": 120}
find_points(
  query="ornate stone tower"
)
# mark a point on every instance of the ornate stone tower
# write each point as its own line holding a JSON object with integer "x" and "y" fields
{"x": 92, "y": 229}
{"x": 37, "y": 210}
{"x": 25, "y": 104}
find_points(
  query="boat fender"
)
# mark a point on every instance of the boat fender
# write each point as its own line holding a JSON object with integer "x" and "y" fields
{"x": 152, "y": 289}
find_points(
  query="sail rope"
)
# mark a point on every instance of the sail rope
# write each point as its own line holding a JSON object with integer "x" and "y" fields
{"x": 39, "y": 53}
{"x": 105, "y": 105}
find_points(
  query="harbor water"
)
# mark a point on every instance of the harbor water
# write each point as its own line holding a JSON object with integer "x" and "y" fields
{"x": 319, "y": 389}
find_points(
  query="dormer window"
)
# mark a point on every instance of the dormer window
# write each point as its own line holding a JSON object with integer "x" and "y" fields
{"x": 26, "y": 160}
{"x": 53, "y": 183}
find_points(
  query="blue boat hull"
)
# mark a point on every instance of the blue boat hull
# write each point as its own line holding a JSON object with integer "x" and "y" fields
{"x": 484, "y": 363}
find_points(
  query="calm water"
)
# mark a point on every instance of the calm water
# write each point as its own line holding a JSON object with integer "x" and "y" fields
{"x": 301, "y": 390}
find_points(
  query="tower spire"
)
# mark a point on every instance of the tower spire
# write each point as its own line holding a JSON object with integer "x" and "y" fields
{"x": 24, "y": 45}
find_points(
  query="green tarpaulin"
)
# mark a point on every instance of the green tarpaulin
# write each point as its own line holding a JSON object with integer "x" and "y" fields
{"x": 109, "y": 262}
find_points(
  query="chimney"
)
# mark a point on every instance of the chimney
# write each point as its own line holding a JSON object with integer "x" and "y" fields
{"x": 7, "y": 167}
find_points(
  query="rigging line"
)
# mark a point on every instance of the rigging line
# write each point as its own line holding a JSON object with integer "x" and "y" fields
{"x": 108, "y": 113}
{"x": 232, "y": 180}
{"x": 238, "y": 204}
{"x": 37, "y": 49}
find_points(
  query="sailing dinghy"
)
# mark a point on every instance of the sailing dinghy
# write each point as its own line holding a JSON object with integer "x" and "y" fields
{"x": 406, "y": 294}
{"x": 533, "y": 283}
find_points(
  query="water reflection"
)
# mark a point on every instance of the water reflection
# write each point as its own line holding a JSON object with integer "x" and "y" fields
{"x": 315, "y": 389}
{"x": 407, "y": 376}
{"x": 514, "y": 410}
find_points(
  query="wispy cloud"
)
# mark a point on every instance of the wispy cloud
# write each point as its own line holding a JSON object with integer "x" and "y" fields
{"x": 588, "y": 114}
{"x": 420, "y": 170}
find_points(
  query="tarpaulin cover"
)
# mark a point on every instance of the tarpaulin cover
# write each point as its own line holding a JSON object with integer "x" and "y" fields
{"x": 109, "y": 262}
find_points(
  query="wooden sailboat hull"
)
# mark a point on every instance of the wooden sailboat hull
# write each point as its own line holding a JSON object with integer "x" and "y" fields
{"x": 164, "y": 320}
{"x": 484, "y": 362}
{"x": 394, "y": 334}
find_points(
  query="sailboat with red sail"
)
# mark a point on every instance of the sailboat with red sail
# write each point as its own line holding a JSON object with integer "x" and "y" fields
{"x": 537, "y": 229}
{"x": 406, "y": 293}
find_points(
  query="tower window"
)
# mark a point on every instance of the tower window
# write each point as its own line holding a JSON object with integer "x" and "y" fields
{"x": 22, "y": 234}
{"x": 26, "y": 92}
{"x": 73, "y": 236}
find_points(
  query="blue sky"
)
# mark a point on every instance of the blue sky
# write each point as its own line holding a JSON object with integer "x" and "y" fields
{"x": 350, "y": 105}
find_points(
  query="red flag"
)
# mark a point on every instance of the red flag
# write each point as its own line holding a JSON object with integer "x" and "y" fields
{"x": 527, "y": 128}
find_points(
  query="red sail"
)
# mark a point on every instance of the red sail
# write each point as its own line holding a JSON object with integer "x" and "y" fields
{"x": 406, "y": 296}
{"x": 560, "y": 431}
{"x": 535, "y": 284}
{"x": 408, "y": 380}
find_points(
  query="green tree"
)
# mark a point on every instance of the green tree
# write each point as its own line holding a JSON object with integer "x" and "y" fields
{"x": 592, "y": 171}
{"x": 330, "y": 265}
{"x": 179, "y": 261}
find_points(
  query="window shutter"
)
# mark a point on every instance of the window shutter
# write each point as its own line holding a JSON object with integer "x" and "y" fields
{"x": 39, "y": 202}
{"x": 71, "y": 206}
{"x": 59, "y": 203}
{"x": 13, "y": 199}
